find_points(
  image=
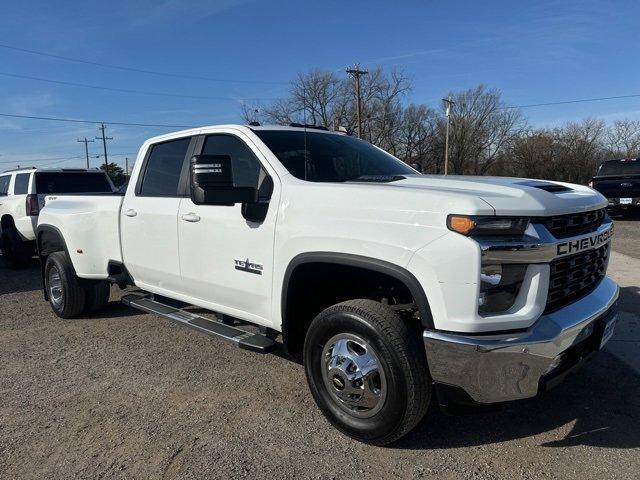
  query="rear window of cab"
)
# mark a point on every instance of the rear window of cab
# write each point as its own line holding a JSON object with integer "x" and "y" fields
{"x": 620, "y": 167}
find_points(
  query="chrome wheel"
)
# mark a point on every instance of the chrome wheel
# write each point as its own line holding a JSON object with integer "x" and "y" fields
{"x": 353, "y": 375}
{"x": 55, "y": 287}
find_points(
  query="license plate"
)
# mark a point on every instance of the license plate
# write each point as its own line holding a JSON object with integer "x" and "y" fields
{"x": 608, "y": 331}
{"x": 626, "y": 201}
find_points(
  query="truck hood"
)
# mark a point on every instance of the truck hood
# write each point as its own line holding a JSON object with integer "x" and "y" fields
{"x": 511, "y": 196}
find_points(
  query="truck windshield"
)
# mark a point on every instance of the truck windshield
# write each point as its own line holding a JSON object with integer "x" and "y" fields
{"x": 72, "y": 182}
{"x": 619, "y": 167}
{"x": 330, "y": 157}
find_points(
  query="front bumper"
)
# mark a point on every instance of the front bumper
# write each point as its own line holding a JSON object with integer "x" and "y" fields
{"x": 499, "y": 368}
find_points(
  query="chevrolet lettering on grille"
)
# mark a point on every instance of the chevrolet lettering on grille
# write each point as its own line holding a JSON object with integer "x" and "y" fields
{"x": 582, "y": 244}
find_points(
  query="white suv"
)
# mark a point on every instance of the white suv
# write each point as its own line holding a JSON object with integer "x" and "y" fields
{"x": 22, "y": 195}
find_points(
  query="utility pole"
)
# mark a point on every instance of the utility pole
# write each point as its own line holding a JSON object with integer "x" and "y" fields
{"x": 356, "y": 73}
{"x": 449, "y": 103}
{"x": 86, "y": 148}
{"x": 126, "y": 168}
{"x": 104, "y": 139}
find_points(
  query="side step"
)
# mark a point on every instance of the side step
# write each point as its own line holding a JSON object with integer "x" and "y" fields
{"x": 256, "y": 342}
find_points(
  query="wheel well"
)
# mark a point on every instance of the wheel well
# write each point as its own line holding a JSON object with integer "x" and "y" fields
{"x": 6, "y": 222}
{"x": 314, "y": 285}
{"x": 49, "y": 241}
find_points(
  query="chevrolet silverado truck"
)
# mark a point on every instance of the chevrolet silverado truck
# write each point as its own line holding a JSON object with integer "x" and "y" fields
{"x": 619, "y": 182}
{"x": 22, "y": 193}
{"x": 398, "y": 289}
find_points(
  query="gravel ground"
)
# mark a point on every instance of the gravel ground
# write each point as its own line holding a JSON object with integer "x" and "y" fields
{"x": 627, "y": 235}
{"x": 129, "y": 395}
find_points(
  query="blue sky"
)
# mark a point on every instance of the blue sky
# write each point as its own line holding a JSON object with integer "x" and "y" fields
{"x": 532, "y": 51}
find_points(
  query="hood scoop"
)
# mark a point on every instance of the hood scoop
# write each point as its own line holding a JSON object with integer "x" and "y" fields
{"x": 546, "y": 186}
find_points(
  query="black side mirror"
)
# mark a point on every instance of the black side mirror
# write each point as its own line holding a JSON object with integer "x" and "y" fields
{"x": 212, "y": 182}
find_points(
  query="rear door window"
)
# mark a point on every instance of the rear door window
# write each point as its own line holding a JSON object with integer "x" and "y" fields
{"x": 4, "y": 184}
{"x": 164, "y": 167}
{"x": 72, "y": 182}
{"x": 21, "y": 185}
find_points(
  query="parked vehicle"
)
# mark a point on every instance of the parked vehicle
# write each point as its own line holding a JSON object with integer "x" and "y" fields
{"x": 619, "y": 181}
{"x": 22, "y": 193}
{"x": 399, "y": 289}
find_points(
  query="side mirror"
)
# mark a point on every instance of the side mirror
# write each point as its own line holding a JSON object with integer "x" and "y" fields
{"x": 212, "y": 182}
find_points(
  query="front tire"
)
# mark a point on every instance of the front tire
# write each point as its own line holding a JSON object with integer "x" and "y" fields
{"x": 66, "y": 295}
{"x": 367, "y": 371}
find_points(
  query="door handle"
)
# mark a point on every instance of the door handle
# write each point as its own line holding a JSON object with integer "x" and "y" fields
{"x": 191, "y": 217}
{"x": 130, "y": 213}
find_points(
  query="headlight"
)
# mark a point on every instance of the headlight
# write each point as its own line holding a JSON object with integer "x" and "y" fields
{"x": 499, "y": 287}
{"x": 487, "y": 225}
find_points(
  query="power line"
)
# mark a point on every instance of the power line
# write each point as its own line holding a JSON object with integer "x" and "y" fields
{"x": 581, "y": 100}
{"x": 97, "y": 122}
{"x": 138, "y": 70}
{"x": 113, "y": 89}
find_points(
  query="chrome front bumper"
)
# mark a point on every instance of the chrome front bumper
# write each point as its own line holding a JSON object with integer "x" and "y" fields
{"x": 508, "y": 367}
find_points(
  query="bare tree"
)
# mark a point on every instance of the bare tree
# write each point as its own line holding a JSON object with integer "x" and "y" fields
{"x": 623, "y": 139}
{"x": 486, "y": 135}
{"x": 532, "y": 154}
{"x": 250, "y": 112}
{"x": 324, "y": 98}
{"x": 417, "y": 138}
{"x": 481, "y": 129}
{"x": 580, "y": 150}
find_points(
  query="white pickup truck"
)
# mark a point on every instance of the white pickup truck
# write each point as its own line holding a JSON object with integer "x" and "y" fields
{"x": 400, "y": 289}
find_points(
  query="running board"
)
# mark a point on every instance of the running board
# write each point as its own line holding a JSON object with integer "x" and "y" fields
{"x": 256, "y": 342}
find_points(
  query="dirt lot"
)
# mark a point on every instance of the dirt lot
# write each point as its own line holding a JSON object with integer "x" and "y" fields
{"x": 129, "y": 395}
{"x": 627, "y": 235}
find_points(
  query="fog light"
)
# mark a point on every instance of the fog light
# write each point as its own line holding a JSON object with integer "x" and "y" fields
{"x": 499, "y": 287}
{"x": 554, "y": 364}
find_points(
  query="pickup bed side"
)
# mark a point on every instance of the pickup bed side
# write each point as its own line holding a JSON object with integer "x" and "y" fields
{"x": 88, "y": 226}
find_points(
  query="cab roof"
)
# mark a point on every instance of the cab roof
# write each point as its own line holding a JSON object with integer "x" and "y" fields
{"x": 53, "y": 170}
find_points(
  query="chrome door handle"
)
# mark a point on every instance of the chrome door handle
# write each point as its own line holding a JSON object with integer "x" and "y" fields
{"x": 191, "y": 217}
{"x": 130, "y": 213}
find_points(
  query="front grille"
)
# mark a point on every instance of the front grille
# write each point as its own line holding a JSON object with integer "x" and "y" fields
{"x": 563, "y": 226}
{"x": 573, "y": 277}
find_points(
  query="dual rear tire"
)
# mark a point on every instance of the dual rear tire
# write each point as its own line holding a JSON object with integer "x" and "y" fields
{"x": 68, "y": 295}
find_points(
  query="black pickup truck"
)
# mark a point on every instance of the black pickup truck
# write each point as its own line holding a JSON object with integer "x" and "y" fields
{"x": 619, "y": 181}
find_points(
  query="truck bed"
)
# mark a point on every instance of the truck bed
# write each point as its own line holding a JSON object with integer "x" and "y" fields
{"x": 94, "y": 221}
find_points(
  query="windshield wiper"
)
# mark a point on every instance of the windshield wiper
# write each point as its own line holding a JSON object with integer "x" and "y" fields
{"x": 376, "y": 178}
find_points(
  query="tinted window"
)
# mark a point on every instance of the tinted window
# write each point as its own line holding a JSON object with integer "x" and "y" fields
{"x": 21, "y": 185}
{"x": 164, "y": 166}
{"x": 4, "y": 184}
{"x": 246, "y": 167}
{"x": 71, "y": 182}
{"x": 329, "y": 157}
{"x": 620, "y": 167}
